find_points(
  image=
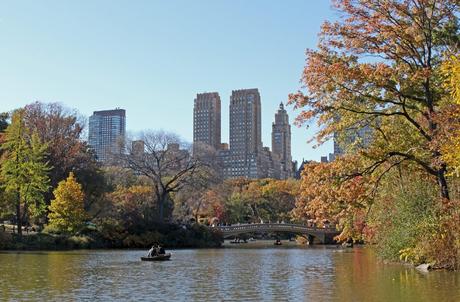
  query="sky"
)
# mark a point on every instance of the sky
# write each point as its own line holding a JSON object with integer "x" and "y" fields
{"x": 152, "y": 58}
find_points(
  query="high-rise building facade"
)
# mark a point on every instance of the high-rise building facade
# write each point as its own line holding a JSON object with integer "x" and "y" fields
{"x": 245, "y": 132}
{"x": 207, "y": 120}
{"x": 106, "y": 128}
{"x": 281, "y": 140}
{"x": 245, "y": 122}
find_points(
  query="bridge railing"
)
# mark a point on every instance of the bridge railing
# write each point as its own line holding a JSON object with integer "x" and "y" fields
{"x": 275, "y": 226}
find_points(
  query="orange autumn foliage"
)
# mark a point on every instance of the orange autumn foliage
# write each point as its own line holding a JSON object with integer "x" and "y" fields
{"x": 331, "y": 191}
{"x": 378, "y": 66}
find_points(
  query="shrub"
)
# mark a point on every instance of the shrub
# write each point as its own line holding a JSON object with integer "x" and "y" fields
{"x": 51, "y": 229}
{"x": 6, "y": 240}
{"x": 414, "y": 225}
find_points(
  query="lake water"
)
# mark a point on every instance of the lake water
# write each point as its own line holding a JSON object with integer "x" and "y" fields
{"x": 247, "y": 272}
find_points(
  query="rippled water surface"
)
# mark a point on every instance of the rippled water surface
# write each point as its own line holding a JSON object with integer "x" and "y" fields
{"x": 251, "y": 272}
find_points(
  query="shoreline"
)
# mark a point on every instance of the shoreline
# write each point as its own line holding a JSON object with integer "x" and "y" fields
{"x": 172, "y": 236}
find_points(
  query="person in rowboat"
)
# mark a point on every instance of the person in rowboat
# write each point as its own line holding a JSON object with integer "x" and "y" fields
{"x": 162, "y": 251}
{"x": 152, "y": 251}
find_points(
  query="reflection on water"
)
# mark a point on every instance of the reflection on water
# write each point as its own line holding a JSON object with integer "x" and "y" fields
{"x": 250, "y": 272}
{"x": 359, "y": 274}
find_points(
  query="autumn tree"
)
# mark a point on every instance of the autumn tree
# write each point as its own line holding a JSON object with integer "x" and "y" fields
{"x": 4, "y": 122}
{"x": 451, "y": 70}
{"x": 4, "y": 116}
{"x": 134, "y": 206}
{"x": 214, "y": 202}
{"x": 215, "y": 199}
{"x": 114, "y": 178}
{"x": 24, "y": 170}
{"x": 378, "y": 67}
{"x": 67, "y": 213}
{"x": 118, "y": 176}
{"x": 328, "y": 193}
{"x": 449, "y": 140}
{"x": 193, "y": 197}
{"x": 165, "y": 160}
{"x": 280, "y": 197}
{"x": 62, "y": 130}
{"x": 250, "y": 200}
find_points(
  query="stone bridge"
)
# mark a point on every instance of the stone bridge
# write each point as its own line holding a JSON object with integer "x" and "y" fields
{"x": 323, "y": 235}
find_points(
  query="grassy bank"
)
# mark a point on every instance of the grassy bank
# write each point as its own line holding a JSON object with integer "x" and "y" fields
{"x": 168, "y": 235}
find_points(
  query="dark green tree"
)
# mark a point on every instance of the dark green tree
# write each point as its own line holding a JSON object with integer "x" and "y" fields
{"x": 24, "y": 171}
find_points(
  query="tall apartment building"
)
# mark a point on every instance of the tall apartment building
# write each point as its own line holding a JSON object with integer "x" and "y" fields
{"x": 281, "y": 140}
{"x": 206, "y": 120}
{"x": 245, "y": 132}
{"x": 106, "y": 128}
{"x": 245, "y": 122}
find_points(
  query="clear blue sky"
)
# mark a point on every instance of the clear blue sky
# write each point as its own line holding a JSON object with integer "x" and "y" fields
{"x": 152, "y": 57}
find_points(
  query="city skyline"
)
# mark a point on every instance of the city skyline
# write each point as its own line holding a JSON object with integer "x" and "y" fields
{"x": 225, "y": 138}
{"x": 244, "y": 155}
{"x": 129, "y": 59}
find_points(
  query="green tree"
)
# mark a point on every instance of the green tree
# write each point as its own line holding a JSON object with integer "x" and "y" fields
{"x": 4, "y": 206}
{"x": 67, "y": 212}
{"x": 24, "y": 172}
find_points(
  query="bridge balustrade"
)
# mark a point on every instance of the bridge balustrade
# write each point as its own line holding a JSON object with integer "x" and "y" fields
{"x": 278, "y": 226}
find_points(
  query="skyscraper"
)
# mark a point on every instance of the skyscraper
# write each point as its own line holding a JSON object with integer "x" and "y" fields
{"x": 245, "y": 132}
{"x": 281, "y": 139}
{"x": 106, "y": 128}
{"x": 206, "y": 120}
{"x": 245, "y": 122}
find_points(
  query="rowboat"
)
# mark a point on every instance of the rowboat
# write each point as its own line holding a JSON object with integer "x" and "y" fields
{"x": 161, "y": 257}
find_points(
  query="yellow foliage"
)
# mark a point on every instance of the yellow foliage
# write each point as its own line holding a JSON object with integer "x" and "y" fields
{"x": 450, "y": 148}
{"x": 451, "y": 70}
{"x": 412, "y": 255}
{"x": 67, "y": 213}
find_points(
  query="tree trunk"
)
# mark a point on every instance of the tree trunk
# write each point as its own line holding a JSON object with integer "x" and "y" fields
{"x": 18, "y": 199}
{"x": 18, "y": 215}
{"x": 198, "y": 210}
{"x": 161, "y": 205}
{"x": 443, "y": 183}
